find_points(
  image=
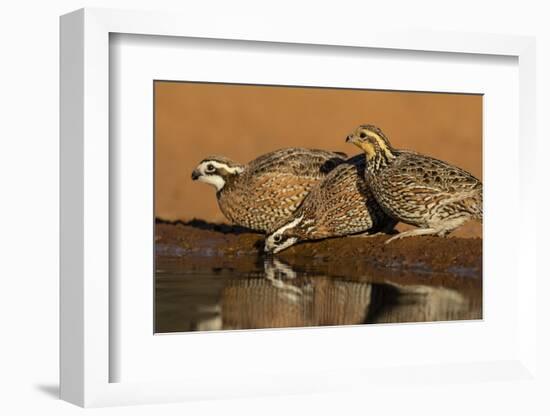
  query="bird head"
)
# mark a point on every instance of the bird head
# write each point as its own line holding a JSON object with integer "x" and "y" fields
{"x": 284, "y": 236}
{"x": 216, "y": 170}
{"x": 372, "y": 141}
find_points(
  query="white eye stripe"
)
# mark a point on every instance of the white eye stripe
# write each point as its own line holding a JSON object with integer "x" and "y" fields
{"x": 291, "y": 224}
{"x": 219, "y": 165}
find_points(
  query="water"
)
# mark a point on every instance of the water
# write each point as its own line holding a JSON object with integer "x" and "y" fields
{"x": 203, "y": 293}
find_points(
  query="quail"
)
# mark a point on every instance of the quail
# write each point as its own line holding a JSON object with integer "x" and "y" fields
{"x": 269, "y": 189}
{"x": 288, "y": 298}
{"x": 420, "y": 303}
{"x": 340, "y": 205}
{"x": 416, "y": 189}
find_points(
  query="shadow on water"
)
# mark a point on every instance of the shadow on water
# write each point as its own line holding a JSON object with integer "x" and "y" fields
{"x": 255, "y": 292}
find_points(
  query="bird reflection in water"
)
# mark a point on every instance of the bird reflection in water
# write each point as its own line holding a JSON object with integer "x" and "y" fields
{"x": 278, "y": 273}
{"x": 288, "y": 298}
{"x": 274, "y": 294}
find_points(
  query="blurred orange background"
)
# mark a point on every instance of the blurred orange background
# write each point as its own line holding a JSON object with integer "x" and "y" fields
{"x": 194, "y": 120}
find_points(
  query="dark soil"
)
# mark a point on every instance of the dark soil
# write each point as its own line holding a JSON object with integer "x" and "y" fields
{"x": 459, "y": 257}
{"x": 214, "y": 276}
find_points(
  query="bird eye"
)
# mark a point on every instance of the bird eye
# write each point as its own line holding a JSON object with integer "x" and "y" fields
{"x": 277, "y": 238}
{"x": 210, "y": 167}
{"x": 363, "y": 135}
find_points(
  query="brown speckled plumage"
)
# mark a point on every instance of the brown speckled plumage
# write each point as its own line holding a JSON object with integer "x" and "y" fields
{"x": 341, "y": 204}
{"x": 280, "y": 300}
{"x": 418, "y": 189}
{"x": 270, "y": 188}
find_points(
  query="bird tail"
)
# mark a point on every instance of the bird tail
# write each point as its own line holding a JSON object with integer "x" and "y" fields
{"x": 476, "y": 206}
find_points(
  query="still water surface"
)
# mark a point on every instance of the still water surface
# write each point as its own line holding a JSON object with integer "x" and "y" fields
{"x": 193, "y": 295}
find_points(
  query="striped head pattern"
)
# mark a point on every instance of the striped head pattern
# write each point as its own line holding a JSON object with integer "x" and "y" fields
{"x": 374, "y": 143}
{"x": 216, "y": 170}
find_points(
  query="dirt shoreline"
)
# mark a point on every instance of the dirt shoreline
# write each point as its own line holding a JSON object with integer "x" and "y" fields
{"x": 460, "y": 258}
{"x": 215, "y": 276}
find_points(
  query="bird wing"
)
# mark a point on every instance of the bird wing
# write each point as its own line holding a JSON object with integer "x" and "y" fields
{"x": 296, "y": 161}
{"x": 339, "y": 204}
{"x": 433, "y": 175}
{"x": 437, "y": 185}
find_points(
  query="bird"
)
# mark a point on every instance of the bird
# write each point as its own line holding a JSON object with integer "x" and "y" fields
{"x": 268, "y": 189}
{"x": 285, "y": 297}
{"x": 342, "y": 204}
{"x": 416, "y": 189}
{"x": 394, "y": 302}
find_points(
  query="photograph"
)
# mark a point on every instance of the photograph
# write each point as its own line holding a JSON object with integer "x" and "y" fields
{"x": 288, "y": 206}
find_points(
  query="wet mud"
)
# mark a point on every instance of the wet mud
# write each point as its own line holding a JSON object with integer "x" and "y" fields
{"x": 216, "y": 277}
{"x": 460, "y": 257}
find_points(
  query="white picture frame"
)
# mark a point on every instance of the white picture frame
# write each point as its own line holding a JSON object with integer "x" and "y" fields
{"x": 86, "y": 301}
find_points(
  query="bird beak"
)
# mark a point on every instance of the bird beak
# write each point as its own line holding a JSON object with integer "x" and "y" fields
{"x": 195, "y": 175}
{"x": 351, "y": 139}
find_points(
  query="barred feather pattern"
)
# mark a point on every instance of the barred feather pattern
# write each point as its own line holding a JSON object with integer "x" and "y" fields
{"x": 342, "y": 204}
{"x": 272, "y": 187}
{"x": 305, "y": 301}
{"x": 424, "y": 191}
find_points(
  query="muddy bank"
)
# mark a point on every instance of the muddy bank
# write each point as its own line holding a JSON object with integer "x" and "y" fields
{"x": 216, "y": 277}
{"x": 430, "y": 256}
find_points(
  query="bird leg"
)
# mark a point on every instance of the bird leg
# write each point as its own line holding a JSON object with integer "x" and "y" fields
{"x": 411, "y": 233}
{"x": 364, "y": 234}
{"x": 388, "y": 229}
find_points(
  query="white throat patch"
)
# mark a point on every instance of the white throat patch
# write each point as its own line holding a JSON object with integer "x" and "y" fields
{"x": 288, "y": 242}
{"x": 215, "y": 180}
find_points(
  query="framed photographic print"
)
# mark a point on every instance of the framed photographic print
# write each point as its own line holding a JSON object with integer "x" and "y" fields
{"x": 243, "y": 212}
